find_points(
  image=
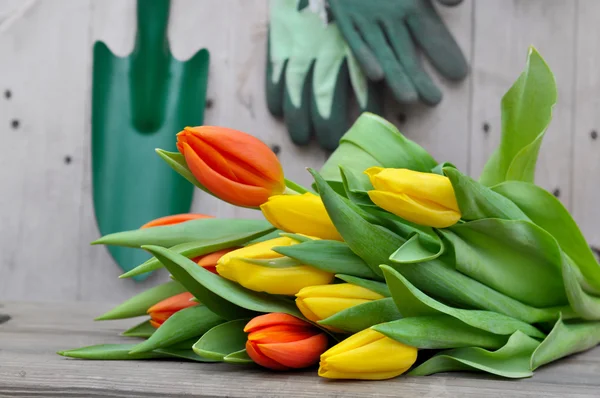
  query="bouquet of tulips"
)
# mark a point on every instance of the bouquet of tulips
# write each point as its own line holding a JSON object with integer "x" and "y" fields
{"x": 390, "y": 263}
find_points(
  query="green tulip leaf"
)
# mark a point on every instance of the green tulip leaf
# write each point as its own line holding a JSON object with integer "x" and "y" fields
{"x": 110, "y": 352}
{"x": 526, "y": 114}
{"x": 439, "y": 169}
{"x": 239, "y": 357}
{"x": 296, "y": 237}
{"x": 547, "y": 211}
{"x": 182, "y": 325}
{"x": 177, "y": 162}
{"x": 476, "y": 201}
{"x": 373, "y": 141}
{"x": 511, "y": 361}
{"x": 144, "y": 330}
{"x": 516, "y": 258}
{"x": 222, "y": 340}
{"x": 405, "y": 229}
{"x": 186, "y": 354}
{"x": 412, "y": 302}
{"x": 377, "y": 287}
{"x": 206, "y": 229}
{"x": 566, "y": 338}
{"x": 196, "y": 249}
{"x": 356, "y": 186}
{"x": 271, "y": 235}
{"x": 328, "y": 255}
{"x": 584, "y": 304}
{"x": 438, "y": 332}
{"x": 372, "y": 243}
{"x": 224, "y": 297}
{"x": 363, "y": 316}
{"x": 418, "y": 249}
{"x": 295, "y": 186}
{"x": 139, "y": 304}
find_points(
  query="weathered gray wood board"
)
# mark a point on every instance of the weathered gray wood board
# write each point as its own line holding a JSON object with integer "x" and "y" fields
{"x": 46, "y": 210}
{"x": 29, "y": 366}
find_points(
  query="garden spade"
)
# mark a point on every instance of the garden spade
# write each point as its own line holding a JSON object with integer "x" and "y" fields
{"x": 139, "y": 103}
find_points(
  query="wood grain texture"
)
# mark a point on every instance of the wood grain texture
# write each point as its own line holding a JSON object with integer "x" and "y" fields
{"x": 30, "y": 367}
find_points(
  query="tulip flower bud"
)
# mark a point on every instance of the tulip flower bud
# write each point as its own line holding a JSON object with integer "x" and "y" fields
{"x": 301, "y": 214}
{"x": 161, "y": 311}
{"x": 367, "y": 355}
{"x": 422, "y": 198}
{"x": 259, "y": 268}
{"x": 174, "y": 219}
{"x": 234, "y": 166}
{"x": 281, "y": 342}
{"x": 319, "y": 302}
{"x": 209, "y": 261}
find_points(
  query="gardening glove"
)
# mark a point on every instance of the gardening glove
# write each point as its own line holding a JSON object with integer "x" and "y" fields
{"x": 382, "y": 36}
{"x": 310, "y": 73}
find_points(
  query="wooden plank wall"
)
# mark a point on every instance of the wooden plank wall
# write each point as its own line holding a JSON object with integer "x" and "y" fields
{"x": 46, "y": 211}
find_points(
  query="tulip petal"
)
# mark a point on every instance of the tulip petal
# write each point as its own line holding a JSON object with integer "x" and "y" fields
{"x": 227, "y": 190}
{"x": 211, "y": 259}
{"x": 261, "y": 359}
{"x": 274, "y": 318}
{"x": 298, "y": 354}
{"x": 341, "y": 290}
{"x": 259, "y": 250}
{"x": 280, "y": 334}
{"x": 418, "y": 211}
{"x": 174, "y": 219}
{"x": 357, "y": 340}
{"x": 172, "y": 304}
{"x": 428, "y": 186}
{"x": 155, "y": 324}
{"x": 303, "y": 214}
{"x": 209, "y": 155}
{"x": 306, "y": 311}
{"x": 324, "y": 307}
{"x": 246, "y": 149}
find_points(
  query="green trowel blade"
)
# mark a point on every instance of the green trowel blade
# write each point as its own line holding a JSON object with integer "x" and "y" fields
{"x": 139, "y": 103}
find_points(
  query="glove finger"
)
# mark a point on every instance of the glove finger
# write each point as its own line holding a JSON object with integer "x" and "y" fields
{"x": 450, "y": 3}
{"x": 274, "y": 83}
{"x": 437, "y": 43}
{"x": 296, "y": 108}
{"x": 395, "y": 76}
{"x": 404, "y": 48}
{"x": 367, "y": 59}
{"x": 331, "y": 124}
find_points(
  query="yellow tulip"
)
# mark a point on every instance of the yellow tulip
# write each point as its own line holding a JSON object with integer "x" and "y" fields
{"x": 423, "y": 198}
{"x": 302, "y": 214}
{"x": 367, "y": 355}
{"x": 240, "y": 266}
{"x": 320, "y": 302}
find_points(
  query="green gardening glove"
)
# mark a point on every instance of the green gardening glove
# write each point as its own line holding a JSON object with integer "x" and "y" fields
{"x": 310, "y": 72}
{"x": 381, "y": 34}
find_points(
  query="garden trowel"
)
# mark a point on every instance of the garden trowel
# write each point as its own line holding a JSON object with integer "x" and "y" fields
{"x": 139, "y": 103}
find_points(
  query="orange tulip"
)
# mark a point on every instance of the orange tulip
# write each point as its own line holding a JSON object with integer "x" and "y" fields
{"x": 234, "y": 166}
{"x": 281, "y": 342}
{"x": 161, "y": 311}
{"x": 209, "y": 261}
{"x": 174, "y": 219}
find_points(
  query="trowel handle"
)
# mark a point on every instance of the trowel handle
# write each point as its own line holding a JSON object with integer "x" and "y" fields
{"x": 150, "y": 63}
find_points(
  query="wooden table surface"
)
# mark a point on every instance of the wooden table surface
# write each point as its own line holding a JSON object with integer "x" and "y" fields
{"x": 29, "y": 366}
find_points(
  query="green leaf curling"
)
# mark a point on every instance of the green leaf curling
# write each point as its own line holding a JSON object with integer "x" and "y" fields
{"x": 512, "y": 360}
{"x": 566, "y": 338}
{"x": 144, "y": 329}
{"x": 516, "y": 258}
{"x": 363, "y": 316}
{"x": 240, "y": 357}
{"x": 207, "y": 229}
{"x": 139, "y": 304}
{"x": 418, "y": 249}
{"x": 224, "y": 297}
{"x": 526, "y": 114}
{"x": 547, "y": 211}
{"x": 437, "y": 332}
{"x": 412, "y": 302}
{"x": 222, "y": 340}
{"x": 182, "y": 325}
{"x": 328, "y": 255}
